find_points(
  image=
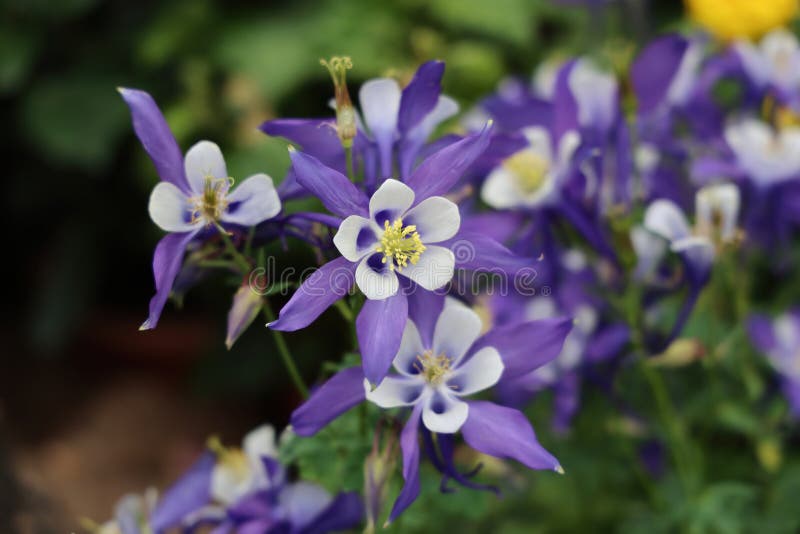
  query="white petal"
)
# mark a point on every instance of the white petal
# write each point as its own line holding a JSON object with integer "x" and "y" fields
{"x": 481, "y": 371}
{"x": 434, "y": 269}
{"x": 228, "y": 484}
{"x": 718, "y": 200}
{"x": 410, "y": 348}
{"x": 649, "y": 248}
{"x": 500, "y": 189}
{"x": 390, "y": 201}
{"x": 539, "y": 141}
{"x": 666, "y": 219}
{"x": 260, "y": 442}
{"x": 395, "y": 391}
{"x": 566, "y": 148}
{"x": 375, "y": 279}
{"x": 202, "y": 160}
{"x": 356, "y": 237}
{"x": 436, "y": 219}
{"x": 253, "y": 201}
{"x": 752, "y": 61}
{"x": 595, "y": 93}
{"x": 444, "y": 414}
{"x": 170, "y": 209}
{"x": 445, "y": 108}
{"x": 684, "y": 79}
{"x": 380, "y": 103}
{"x": 456, "y": 330}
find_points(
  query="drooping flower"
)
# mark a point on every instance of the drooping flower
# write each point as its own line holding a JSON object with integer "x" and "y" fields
{"x": 246, "y": 306}
{"x": 194, "y": 194}
{"x": 779, "y": 340}
{"x": 397, "y": 242}
{"x": 443, "y": 358}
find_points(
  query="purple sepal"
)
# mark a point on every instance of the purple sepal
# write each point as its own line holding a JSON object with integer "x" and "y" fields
{"x": 505, "y": 433}
{"x": 420, "y": 95}
{"x": 477, "y": 252}
{"x": 566, "y": 399}
{"x": 380, "y": 327}
{"x": 759, "y": 327}
{"x": 341, "y": 392}
{"x": 565, "y": 108}
{"x": 167, "y": 260}
{"x": 654, "y": 68}
{"x": 441, "y": 171}
{"x": 316, "y": 137}
{"x": 336, "y": 192}
{"x": 152, "y": 130}
{"x": 607, "y": 343}
{"x": 527, "y": 346}
{"x": 445, "y": 464}
{"x": 514, "y": 114}
{"x": 409, "y": 443}
{"x": 189, "y": 493}
{"x": 318, "y": 292}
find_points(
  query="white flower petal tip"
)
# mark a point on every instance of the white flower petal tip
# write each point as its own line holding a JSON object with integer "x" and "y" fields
{"x": 560, "y": 470}
{"x": 145, "y": 326}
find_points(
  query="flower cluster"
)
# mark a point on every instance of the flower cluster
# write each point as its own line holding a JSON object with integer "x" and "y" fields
{"x": 564, "y": 231}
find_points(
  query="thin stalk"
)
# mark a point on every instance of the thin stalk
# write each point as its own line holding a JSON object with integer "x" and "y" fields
{"x": 240, "y": 260}
{"x": 283, "y": 350}
{"x": 348, "y": 156}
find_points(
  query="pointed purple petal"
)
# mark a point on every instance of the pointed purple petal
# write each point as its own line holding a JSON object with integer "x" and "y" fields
{"x": 498, "y": 225}
{"x": 420, "y": 95}
{"x": 318, "y": 292}
{"x": 653, "y": 69}
{"x": 440, "y": 172}
{"x": 505, "y": 433}
{"x": 189, "y": 493}
{"x": 478, "y": 252}
{"x": 565, "y": 108}
{"x": 156, "y": 137}
{"x": 380, "y": 327}
{"x": 336, "y": 192}
{"x": 567, "y": 396}
{"x": 341, "y": 392}
{"x": 316, "y": 137}
{"x": 409, "y": 443}
{"x": 526, "y": 346}
{"x": 166, "y": 264}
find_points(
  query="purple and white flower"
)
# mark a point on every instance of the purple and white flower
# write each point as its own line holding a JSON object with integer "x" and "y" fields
{"x": 442, "y": 359}
{"x": 779, "y": 339}
{"x": 194, "y": 193}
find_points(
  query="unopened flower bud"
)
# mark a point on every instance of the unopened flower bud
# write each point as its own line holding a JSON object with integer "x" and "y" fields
{"x": 246, "y": 307}
{"x": 378, "y": 469}
{"x": 345, "y": 113}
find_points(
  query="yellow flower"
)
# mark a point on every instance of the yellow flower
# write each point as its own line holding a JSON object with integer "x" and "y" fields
{"x": 734, "y": 19}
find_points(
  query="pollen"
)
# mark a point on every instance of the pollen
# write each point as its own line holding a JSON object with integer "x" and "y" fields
{"x": 400, "y": 245}
{"x": 434, "y": 368}
{"x": 530, "y": 169}
{"x": 210, "y": 205}
{"x": 231, "y": 458}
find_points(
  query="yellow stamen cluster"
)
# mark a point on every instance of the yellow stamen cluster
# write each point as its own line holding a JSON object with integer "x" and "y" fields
{"x": 400, "y": 245}
{"x": 212, "y": 202}
{"x": 530, "y": 169}
{"x": 432, "y": 367}
{"x": 231, "y": 458}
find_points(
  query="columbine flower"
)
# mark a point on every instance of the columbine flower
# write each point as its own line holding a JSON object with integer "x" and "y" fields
{"x": 390, "y": 244}
{"x": 131, "y": 515}
{"x": 443, "y": 359}
{"x": 394, "y": 122}
{"x": 246, "y": 490}
{"x": 194, "y": 194}
{"x": 220, "y": 477}
{"x": 774, "y": 63}
{"x": 779, "y": 339}
{"x": 531, "y": 177}
{"x": 766, "y": 155}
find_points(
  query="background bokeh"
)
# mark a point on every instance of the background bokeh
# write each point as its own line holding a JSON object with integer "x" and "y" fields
{"x": 90, "y": 408}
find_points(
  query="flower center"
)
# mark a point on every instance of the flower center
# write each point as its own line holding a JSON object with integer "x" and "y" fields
{"x": 530, "y": 168}
{"x": 400, "y": 244}
{"x": 230, "y": 458}
{"x": 433, "y": 368}
{"x": 212, "y": 202}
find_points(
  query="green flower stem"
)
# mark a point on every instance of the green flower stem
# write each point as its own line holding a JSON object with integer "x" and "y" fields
{"x": 283, "y": 350}
{"x": 348, "y": 155}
